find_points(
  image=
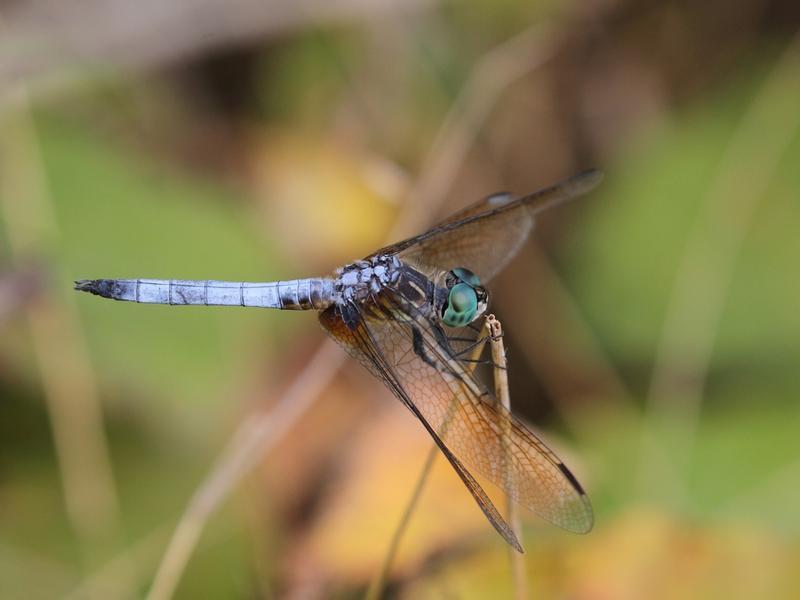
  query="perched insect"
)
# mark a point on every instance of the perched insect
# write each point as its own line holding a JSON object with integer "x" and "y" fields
{"x": 405, "y": 313}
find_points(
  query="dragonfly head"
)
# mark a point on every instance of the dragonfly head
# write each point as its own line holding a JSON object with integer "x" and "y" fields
{"x": 466, "y": 298}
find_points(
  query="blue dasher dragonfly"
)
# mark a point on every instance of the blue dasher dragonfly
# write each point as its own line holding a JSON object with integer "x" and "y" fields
{"x": 406, "y": 313}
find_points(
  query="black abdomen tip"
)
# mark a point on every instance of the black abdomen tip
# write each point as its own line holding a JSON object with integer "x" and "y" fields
{"x": 98, "y": 287}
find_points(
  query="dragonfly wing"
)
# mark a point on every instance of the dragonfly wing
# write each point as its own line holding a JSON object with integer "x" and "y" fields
{"x": 361, "y": 345}
{"x": 486, "y": 236}
{"x": 476, "y": 429}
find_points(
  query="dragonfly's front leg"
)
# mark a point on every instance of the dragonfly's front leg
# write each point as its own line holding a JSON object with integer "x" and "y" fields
{"x": 475, "y": 348}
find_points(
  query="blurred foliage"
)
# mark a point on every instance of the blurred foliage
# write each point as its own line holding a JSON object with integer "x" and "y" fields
{"x": 290, "y": 155}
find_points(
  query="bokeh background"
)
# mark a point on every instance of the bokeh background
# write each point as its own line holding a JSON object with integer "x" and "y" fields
{"x": 653, "y": 328}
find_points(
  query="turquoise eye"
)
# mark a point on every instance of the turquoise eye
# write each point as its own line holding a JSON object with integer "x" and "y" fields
{"x": 462, "y": 304}
{"x": 467, "y": 276}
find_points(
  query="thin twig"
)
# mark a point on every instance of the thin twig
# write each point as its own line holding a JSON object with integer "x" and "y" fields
{"x": 554, "y": 359}
{"x": 69, "y": 386}
{"x": 492, "y": 75}
{"x": 142, "y": 551}
{"x": 517, "y": 559}
{"x": 252, "y": 439}
{"x": 49, "y": 46}
{"x": 378, "y": 583}
{"x": 709, "y": 259}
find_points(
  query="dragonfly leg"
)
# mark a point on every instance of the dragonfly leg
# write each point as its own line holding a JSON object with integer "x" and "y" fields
{"x": 455, "y": 338}
{"x": 472, "y": 344}
{"x": 483, "y": 361}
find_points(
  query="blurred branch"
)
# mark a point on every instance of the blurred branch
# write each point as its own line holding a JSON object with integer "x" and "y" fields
{"x": 378, "y": 583}
{"x": 51, "y": 576}
{"x": 48, "y": 43}
{"x": 253, "y": 438}
{"x": 709, "y": 259}
{"x": 492, "y": 75}
{"x": 139, "y": 552}
{"x": 70, "y": 389}
{"x": 563, "y": 345}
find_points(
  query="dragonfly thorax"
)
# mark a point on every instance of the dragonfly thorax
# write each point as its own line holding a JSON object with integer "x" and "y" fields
{"x": 385, "y": 287}
{"x": 358, "y": 281}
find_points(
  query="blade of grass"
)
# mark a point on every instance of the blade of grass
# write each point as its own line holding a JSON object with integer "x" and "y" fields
{"x": 252, "y": 439}
{"x": 68, "y": 381}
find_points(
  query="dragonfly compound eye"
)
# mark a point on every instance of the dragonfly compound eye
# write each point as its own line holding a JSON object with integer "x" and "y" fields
{"x": 466, "y": 276}
{"x": 462, "y": 305}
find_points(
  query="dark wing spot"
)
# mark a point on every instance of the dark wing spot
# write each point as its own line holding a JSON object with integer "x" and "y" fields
{"x": 571, "y": 478}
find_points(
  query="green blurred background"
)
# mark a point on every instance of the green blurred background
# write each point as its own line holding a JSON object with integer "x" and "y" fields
{"x": 653, "y": 328}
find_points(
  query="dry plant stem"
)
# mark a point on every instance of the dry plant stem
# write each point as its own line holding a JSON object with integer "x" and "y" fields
{"x": 143, "y": 551}
{"x": 552, "y": 358}
{"x": 556, "y": 362}
{"x": 70, "y": 389}
{"x": 548, "y": 355}
{"x": 254, "y": 437}
{"x": 492, "y": 75}
{"x": 379, "y": 581}
{"x": 709, "y": 259}
{"x": 52, "y": 46}
{"x": 47, "y": 575}
{"x": 517, "y": 560}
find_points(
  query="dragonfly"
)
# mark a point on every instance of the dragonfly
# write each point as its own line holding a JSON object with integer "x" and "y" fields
{"x": 407, "y": 313}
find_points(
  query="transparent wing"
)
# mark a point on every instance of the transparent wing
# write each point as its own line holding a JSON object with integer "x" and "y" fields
{"x": 360, "y": 344}
{"x": 475, "y": 428}
{"x": 485, "y": 236}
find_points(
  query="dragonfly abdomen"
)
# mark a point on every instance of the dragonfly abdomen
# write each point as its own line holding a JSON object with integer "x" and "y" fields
{"x": 295, "y": 294}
